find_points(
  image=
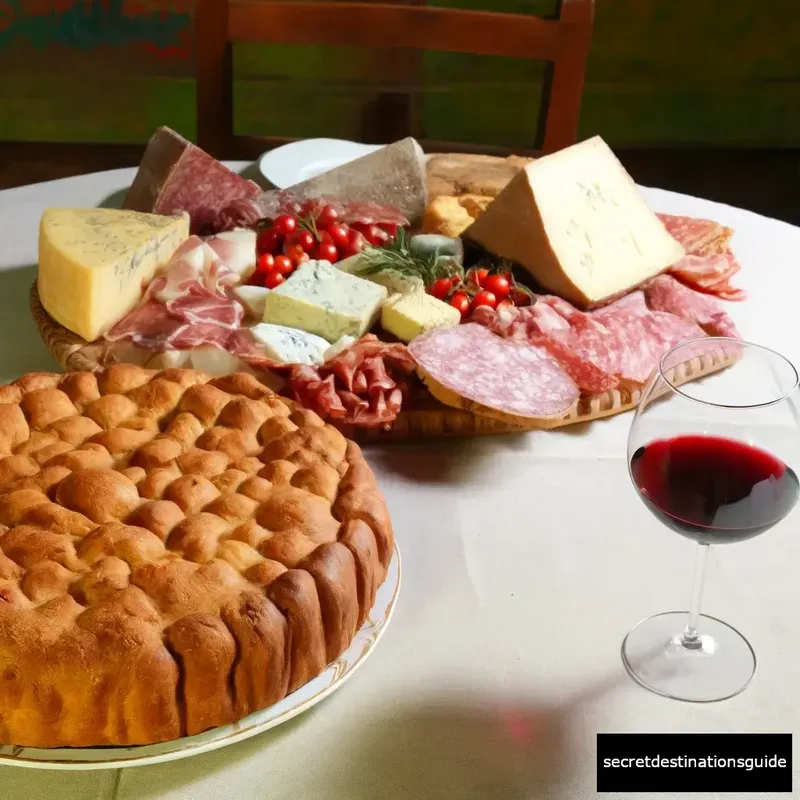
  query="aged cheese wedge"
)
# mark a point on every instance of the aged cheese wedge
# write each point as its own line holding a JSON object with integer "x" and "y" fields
{"x": 577, "y": 223}
{"x": 94, "y": 262}
{"x": 409, "y": 315}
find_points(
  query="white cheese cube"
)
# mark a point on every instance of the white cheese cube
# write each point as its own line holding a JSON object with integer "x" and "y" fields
{"x": 339, "y": 346}
{"x": 407, "y": 316}
{"x": 169, "y": 359}
{"x": 576, "y": 221}
{"x": 290, "y": 345}
{"x": 214, "y": 361}
{"x": 253, "y": 299}
{"x": 321, "y": 299}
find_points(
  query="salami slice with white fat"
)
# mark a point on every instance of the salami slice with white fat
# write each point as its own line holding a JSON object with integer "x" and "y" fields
{"x": 472, "y": 368}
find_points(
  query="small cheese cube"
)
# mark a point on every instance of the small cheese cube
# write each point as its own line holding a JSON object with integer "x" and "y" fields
{"x": 393, "y": 281}
{"x": 338, "y": 347}
{"x": 290, "y": 345}
{"x": 320, "y": 299}
{"x": 576, "y": 222}
{"x": 253, "y": 299}
{"x": 407, "y": 316}
{"x": 94, "y": 263}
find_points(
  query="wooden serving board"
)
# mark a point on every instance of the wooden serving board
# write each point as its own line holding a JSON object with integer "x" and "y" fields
{"x": 428, "y": 419}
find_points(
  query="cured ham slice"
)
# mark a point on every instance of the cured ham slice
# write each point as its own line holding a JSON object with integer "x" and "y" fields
{"x": 364, "y": 385}
{"x": 247, "y": 213}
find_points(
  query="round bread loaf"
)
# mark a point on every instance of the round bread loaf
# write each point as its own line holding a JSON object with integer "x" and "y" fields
{"x": 175, "y": 553}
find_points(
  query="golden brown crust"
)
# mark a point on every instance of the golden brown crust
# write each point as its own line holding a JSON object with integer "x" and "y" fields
{"x": 175, "y": 553}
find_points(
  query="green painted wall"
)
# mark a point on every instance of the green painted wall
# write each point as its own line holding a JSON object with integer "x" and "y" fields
{"x": 661, "y": 72}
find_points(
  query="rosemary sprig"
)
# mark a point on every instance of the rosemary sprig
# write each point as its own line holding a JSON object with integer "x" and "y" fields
{"x": 396, "y": 257}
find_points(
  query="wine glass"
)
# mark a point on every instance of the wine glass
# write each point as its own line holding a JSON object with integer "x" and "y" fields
{"x": 714, "y": 460}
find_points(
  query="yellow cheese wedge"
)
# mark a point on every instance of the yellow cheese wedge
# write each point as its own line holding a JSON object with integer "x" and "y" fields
{"x": 408, "y": 315}
{"x": 95, "y": 262}
{"x": 577, "y": 223}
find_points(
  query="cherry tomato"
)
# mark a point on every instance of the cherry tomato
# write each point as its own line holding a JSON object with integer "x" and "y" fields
{"x": 294, "y": 252}
{"x": 355, "y": 243}
{"x": 326, "y": 251}
{"x": 268, "y": 241}
{"x": 455, "y": 280}
{"x": 338, "y": 233}
{"x": 484, "y": 298}
{"x": 327, "y": 216}
{"x": 497, "y": 285}
{"x": 460, "y": 300}
{"x": 265, "y": 262}
{"x": 305, "y": 240}
{"x": 375, "y": 236}
{"x": 273, "y": 279}
{"x": 283, "y": 266}
{"x": 478, "y": 275}
{"x": 256, "y": 279}
{"x": 389, "y": 228}
{"x": 441, "y": 288}
{"x": 360, "y": 226}
{"x": 285, "y": 225}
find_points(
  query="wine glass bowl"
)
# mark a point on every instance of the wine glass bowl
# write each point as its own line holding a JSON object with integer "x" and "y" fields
{"x": 713, "y": 460}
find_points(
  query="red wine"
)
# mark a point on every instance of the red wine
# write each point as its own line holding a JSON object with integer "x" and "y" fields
{"x": 712, "y": 489}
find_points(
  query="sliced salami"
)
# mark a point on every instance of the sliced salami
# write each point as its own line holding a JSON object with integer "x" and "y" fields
{"x": 697, "y": 236}
{"x": 470, "y": 367}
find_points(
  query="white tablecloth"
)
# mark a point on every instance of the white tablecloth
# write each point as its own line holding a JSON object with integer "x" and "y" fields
{"x": 526, "y": 559}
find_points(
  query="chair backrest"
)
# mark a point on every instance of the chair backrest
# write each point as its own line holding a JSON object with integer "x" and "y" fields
{"x": 563, "y": 42}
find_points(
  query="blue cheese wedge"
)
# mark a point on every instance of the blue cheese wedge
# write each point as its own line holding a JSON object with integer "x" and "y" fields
{"x": 290, "y": 345}
{"x": 319, "y": 298}
{"x": 393, "y": 281}
{"x": 407, "y": 316}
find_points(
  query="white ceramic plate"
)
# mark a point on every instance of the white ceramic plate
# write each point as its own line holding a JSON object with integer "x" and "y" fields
{"x": 296, "y": 703}
{"x": 298, "y": 161}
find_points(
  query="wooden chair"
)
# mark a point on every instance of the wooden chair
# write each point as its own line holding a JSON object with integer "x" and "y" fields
{"x": 563, "y": 42}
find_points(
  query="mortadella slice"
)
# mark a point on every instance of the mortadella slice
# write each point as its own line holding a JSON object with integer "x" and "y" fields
{"x": 471, "y": 368}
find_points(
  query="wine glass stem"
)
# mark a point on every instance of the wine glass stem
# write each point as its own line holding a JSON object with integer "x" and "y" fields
{"x": 691, "y": 637}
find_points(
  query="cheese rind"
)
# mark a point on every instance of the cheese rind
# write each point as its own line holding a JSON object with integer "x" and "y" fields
{"x": 408, "y": 316}
{"x": 319, "y": 298}
{"x": 577, "y": 223}
{"x": 290, "y": 345}
{"x": 94, "y": 263}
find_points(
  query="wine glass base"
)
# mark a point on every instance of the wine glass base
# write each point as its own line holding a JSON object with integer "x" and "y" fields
{"x": 720, "y": 667}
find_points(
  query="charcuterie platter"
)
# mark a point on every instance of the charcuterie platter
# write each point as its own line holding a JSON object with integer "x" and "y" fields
{"x": 398, "y": 296}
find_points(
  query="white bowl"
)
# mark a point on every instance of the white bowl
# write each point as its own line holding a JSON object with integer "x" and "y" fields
{"x": 298, "y": 161}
